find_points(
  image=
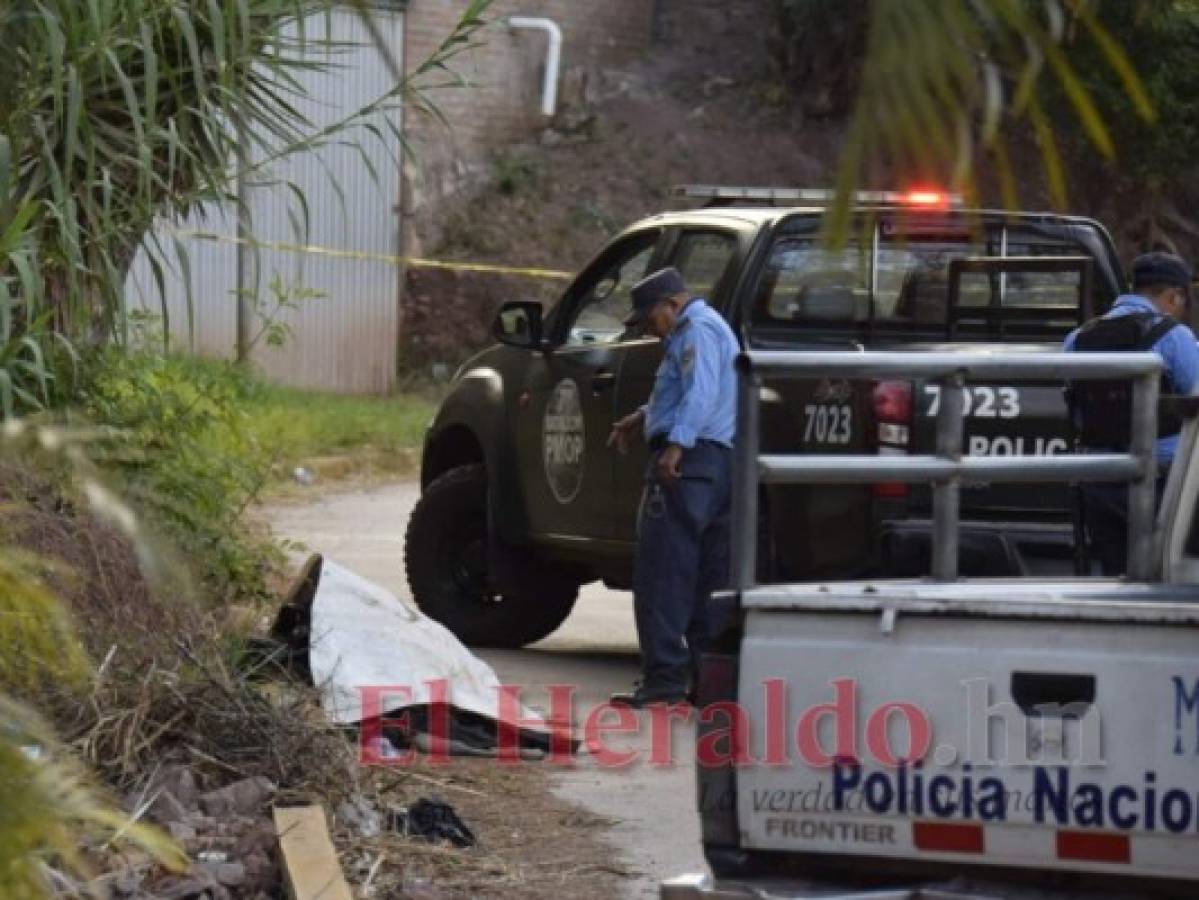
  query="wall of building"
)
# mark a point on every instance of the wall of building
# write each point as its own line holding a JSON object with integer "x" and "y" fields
{"x": 341, "y": 309}
{"x": 503, "y": 106}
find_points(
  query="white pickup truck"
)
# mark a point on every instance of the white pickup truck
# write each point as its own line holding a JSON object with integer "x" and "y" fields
{"x": 958, "y": 738}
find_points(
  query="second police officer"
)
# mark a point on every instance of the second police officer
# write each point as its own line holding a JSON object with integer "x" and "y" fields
{"x": 1149, "y": 318}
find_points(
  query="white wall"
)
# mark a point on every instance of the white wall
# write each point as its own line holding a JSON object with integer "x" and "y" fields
{"x": 348, "y": 340}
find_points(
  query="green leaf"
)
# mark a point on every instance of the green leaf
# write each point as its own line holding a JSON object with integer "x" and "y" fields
{"x": 1091, "y": 120}
{"x": 185, "y": 275}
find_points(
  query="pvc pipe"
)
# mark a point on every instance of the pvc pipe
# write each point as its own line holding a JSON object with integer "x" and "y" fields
{"x": 553, "y": 57}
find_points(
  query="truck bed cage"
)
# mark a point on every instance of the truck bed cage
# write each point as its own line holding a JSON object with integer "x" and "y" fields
{"x": 948, "y": 467}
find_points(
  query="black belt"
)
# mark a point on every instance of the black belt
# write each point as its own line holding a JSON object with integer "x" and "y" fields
{"x": 662, "y": 441}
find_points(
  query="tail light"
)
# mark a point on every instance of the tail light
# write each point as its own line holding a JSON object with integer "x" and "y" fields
{"x": 893, "y": 415}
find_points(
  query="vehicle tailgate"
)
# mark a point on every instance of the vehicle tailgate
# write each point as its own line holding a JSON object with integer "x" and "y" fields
{"x": 1025, "y": 419}
{"x": 1055, "y": 724}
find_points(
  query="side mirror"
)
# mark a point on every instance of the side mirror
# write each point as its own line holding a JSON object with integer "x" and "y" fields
{"x": 518, "y": 324}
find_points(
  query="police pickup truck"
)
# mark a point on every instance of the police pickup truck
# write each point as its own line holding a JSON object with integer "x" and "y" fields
{"x": 958, "y": 738}
{"x": 522, "y": 502}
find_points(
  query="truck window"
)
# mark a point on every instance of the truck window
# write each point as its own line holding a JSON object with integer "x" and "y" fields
{"x": 892, "y": 282}
{"x": 703, "y": 257}
{"x": 605, "y": 295}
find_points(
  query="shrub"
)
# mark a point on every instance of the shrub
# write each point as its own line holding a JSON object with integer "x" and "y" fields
{"x": 179, "y": 437}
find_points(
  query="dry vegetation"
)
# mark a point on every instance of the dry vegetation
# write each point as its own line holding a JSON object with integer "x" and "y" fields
{"x": 180, "y": 693}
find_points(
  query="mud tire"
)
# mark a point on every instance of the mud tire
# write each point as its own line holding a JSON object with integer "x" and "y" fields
{"x": 445, "y": 552}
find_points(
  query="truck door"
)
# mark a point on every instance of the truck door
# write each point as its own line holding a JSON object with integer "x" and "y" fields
{"x": 566, "y": 467}
{"x": 704, "y": 257}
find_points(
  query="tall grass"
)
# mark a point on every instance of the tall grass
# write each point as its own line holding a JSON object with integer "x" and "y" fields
{"x": 114, "y": 114}
{"x": 118, "y": 113}
{"x": 50, "y": 807}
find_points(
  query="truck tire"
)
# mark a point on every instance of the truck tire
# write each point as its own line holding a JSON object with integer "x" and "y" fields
{"x": 445, "y": 552}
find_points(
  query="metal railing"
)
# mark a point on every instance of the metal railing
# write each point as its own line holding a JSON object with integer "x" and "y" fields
{"x": 948, "y": 467}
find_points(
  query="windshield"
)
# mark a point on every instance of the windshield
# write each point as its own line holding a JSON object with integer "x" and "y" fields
{"x": 893, "y": 280}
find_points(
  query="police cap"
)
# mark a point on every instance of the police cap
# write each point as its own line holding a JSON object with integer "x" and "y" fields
{"x": 662, "y": 285}
{"x": 1161, "y": 268}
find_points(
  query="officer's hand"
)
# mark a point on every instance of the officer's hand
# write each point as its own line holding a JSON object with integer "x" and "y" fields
{"x": 668, "y": 464}
{"x": 623, "y": 430}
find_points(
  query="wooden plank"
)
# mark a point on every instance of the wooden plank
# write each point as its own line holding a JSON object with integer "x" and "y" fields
{"x": 310, "y": 867}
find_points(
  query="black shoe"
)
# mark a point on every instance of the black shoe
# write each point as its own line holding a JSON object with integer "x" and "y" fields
{"x": 643, "y": 695}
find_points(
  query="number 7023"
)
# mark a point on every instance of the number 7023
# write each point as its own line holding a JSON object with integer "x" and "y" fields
{"x": 981, "y": 402}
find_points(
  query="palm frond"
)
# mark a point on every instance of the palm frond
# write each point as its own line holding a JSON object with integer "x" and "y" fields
{"x": 136, "y": 110}
{"x": 942, "y": 76}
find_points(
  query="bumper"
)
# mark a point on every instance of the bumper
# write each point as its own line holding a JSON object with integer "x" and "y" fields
{"x": 704, "y": 887}
{"x": 997, "y": 549}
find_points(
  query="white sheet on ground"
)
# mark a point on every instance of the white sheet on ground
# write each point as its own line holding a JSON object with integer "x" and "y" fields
{"x": 363, "y": 636}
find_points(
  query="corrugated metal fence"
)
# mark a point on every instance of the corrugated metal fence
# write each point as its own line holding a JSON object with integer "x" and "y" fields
{"x": 346, "y": 340}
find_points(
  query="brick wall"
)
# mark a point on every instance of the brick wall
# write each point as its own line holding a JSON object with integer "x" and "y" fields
{"x": 503, "y": 105}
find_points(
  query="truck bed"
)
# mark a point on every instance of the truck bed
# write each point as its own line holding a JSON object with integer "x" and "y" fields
{"x": 1091, "y": 599}
{"x": 990, "y": 724}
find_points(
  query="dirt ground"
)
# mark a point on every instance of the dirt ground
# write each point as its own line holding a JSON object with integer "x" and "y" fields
{"x": 530, "y": 843}
{"x": 700, "y": 107}
{"x": 637, "y": 823}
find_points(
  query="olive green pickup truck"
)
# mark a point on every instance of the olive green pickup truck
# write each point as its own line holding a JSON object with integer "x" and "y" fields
{"x": 523, "y": 502}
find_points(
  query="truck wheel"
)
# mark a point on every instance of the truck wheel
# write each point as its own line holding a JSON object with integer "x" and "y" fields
{"x": 445, "y": 552}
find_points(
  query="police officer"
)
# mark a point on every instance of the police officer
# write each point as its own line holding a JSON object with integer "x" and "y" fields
{"x": 683, "y": 521}
{"x": 1150, "y": 318}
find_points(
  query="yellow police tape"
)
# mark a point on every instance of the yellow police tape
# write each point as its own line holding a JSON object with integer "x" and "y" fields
{"x": 413, "y": 261}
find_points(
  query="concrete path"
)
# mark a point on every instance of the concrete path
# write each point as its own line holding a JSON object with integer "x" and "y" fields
{"x": 652, "y": 808}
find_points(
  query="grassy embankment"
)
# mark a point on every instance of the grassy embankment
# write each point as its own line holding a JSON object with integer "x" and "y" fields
{"x": 159, "y": 599}
{"x": 339, "y": 437}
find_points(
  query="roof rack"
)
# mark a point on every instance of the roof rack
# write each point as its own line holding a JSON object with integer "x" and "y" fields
{"x": 723, "y": 195}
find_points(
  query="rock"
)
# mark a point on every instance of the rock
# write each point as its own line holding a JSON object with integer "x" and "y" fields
{"x": 180, "y": 781}
{"x": 181, "y": 832}
{"x": 165, "y": 808}
{"x": 200, "y": 822}
{"x": 260, "y": 837}
{"x": 261, "y": 872}
{"x": 360, "y": 814}
{"x": 245, "y": 797}
{"x": 128, "y": 883}
{"x": 200, "y": 885}
{"x": 230, "y": 874}
{"x": 169, "y": 790}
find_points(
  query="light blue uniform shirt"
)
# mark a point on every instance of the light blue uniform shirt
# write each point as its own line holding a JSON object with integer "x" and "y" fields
{"x": 1177, "y": 349}
{"x": 695, "y": 392}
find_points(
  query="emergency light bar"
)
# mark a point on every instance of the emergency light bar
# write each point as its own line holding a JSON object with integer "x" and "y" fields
{"x": 925, "y": 198}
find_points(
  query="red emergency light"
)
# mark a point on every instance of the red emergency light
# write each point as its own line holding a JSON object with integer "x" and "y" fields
{"x": 919, "y": 197}
{"x": 926, "y": 197}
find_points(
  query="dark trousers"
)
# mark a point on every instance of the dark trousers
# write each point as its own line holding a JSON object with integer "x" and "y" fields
{"x": 682, "y": 557}
{"x": 1106, "y": 510}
